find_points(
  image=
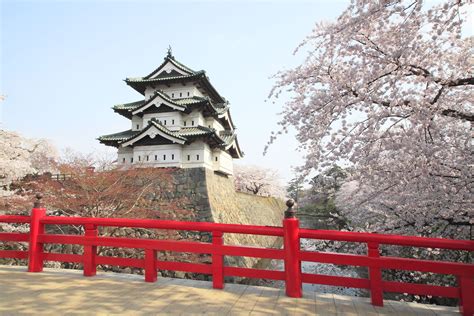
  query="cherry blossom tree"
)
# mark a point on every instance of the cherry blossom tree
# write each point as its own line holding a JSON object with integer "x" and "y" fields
{"x": 20, "y": 156}
{"x": 259, "y": 181}
{"x": 388, "y": 89}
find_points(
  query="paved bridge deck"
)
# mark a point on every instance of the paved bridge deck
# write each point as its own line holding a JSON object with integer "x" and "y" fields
{"x": 58, "y": 292}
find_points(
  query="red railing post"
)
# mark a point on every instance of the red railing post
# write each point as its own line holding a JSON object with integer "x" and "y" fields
{"x": 217, "y": 262}
{"x": 35, "y": 248}
{"x": 375, "y": 276}
{"x": 90, "y": 251}
{"x": 151, "y": 274}
{"x": 466, "y": 297}
{"x": 291, "y": 244}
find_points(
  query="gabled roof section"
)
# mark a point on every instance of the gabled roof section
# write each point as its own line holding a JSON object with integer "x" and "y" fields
{"x": 172, "y": 71}
{"x": 169, "y": 59}
{"x": 157, "y": 100}
{"x": 154, "y": 129}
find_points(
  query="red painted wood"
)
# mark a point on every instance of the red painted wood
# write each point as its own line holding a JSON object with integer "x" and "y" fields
{"x": 245, "y": 251}
{"x": 62, "y": 257}
{"x": 420, "y": 289}
{"x": 184, "y": 266}
{"x": 14, "y": 237}
{"x": 336, "y": 280}
{"x": 35, "y": 260}
{"x": 396, "y": 263}
{"x": 291, "y": 254}
{"x": 466, "y": 288}
{"x": 161, "y": 224}
{"x": 17, "y": 254}
{"x": 254, "y": 273}
{"x": 15, "y": 219}
{"x": 217, "y": 262}
{"x": 387, "y": 239}
{"x": 120, "y": 262}
{"x": 90, "y": 251}
{"x": 291, "y": 244}
{"x": 375, "y": 276}
{"x": 151, "y": 274}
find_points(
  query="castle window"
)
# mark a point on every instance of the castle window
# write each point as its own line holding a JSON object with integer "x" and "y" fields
{"x": 184, "y": 123}
{"x": 139, "y": 158}
{"x": 216, "y": 159}
{"x": 172, "y": 122}
{"x": 189, "y": 157}
{"x": 147, "y": 158}
{"x": 197, "y": 157}
{"x": 188, "y": 93}
{"x": 172, "y": 95}
{"x": 192, "y": 123}
{"x": 138, "y": 126}
{"x": 131, "y": 160}
{"x": 123, "y": 160}
{"x": 165, "y": 122}
{"x": 172, "y": 156}
{"x": 164, "y": 157}
{"x": 180, "y": 94}
{"x": 156, "y": 157}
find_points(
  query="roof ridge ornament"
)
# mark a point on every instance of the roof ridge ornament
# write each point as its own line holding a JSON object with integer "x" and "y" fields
{"x": 170, "y": 52}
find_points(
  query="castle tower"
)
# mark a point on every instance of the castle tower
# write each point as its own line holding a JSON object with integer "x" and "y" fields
{"x": 182, "y": 122}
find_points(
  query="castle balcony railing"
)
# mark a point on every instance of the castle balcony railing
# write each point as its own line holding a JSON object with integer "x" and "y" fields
{"x": 291, "y": 253}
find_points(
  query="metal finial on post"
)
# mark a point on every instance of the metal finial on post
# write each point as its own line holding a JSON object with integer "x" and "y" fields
{"x": 290, "y": 212}
{"x": 38, "y": 203}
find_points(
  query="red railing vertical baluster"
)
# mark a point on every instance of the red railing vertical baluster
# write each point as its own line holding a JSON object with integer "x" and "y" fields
{"x": 151, "y": 274}
{"x": 466, "y": 300}
{"x": 217, "y": 262}
{"x": 35, "y": 248}
{"x": 90, "y": 251}
{"x": 291, "y": 243}
{"x": 375, "y": 276}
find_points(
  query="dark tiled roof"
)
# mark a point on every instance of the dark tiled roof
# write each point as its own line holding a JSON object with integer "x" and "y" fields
{"x": 121, "y": 136}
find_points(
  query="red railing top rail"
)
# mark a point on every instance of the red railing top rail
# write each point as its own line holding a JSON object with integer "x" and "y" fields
{"x": 19, "y": 219}
{"x": 165, "y": 224}
{"x": 386, "y": 239}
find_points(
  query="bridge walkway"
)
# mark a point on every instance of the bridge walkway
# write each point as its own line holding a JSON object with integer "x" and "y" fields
{"x": 59, "y": 292}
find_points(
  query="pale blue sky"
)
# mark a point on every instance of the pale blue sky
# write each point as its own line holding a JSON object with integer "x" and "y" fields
{"x": 63, "y": 63}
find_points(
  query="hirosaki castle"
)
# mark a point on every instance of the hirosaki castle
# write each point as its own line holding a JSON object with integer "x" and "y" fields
{"x": 181, "y": 122}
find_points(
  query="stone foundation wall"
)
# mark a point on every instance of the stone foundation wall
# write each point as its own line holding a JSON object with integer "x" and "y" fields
{"x": 207, "y": 196}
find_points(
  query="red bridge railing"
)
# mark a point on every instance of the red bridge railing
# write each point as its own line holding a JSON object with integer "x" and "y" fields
{"x": 291, "y": 254}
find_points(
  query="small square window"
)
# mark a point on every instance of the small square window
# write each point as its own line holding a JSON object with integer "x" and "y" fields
{"x": 172, "y": 156}
{"x": 189, "y": 157}
{"x": 156, "y": 157}
{"x": 164, "y": 157}
{"x": 197, "y": 157}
